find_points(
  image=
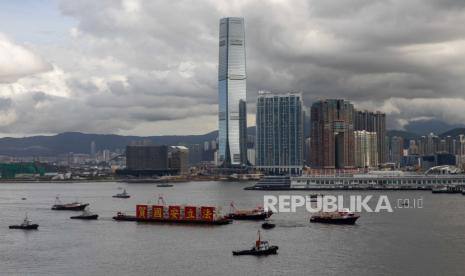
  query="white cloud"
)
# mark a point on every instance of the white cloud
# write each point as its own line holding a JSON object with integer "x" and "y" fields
{"x": 17, "y": 61}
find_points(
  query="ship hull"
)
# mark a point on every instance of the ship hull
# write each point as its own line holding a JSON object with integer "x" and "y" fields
{"x": 268, "y": 225}
{"x": 91, "y": 217}
{"x": 259, "y": 216}
{"x": 349, "y": 220}
{"x": 270, "y": 251}
{"x": 121, "y": 196}
{"x": 29, "y": 227}
{"x": 69, "y": 208}
{"x": 169, "y": 221}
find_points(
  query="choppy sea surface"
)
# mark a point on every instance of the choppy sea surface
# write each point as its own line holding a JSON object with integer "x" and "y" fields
{"x": 413, "y": 241}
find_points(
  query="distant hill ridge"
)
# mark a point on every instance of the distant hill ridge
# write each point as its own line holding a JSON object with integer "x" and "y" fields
{"x": 78, "y": 142}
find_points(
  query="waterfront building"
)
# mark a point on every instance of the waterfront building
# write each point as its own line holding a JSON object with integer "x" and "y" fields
{"x": 373, "y": 122}
{"x": 232, "y": 115}
{"x": 377, "y": 180}
{"x": 279, "y": 139}
{"x": 410, "y": 160}
{"x": 365, "y": 149}
{"x": 146, "y": 157}
{"x": 195, "y": 153}
{"x": 332, "y": 134}
{"x": 178, "y": 157}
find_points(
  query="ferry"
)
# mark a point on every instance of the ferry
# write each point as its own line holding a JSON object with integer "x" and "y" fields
{"x": 255, "y": 214}
{"x": 272, "y": 182}
{"x": 73, "y": 206}
{"x": 343, "y": 216}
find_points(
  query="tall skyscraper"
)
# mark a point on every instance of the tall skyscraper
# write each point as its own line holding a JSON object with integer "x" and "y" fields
{"x": 373, "y": 122}
{"x": 232, "y": 115}
{"x": 332, "y": 134}
{"x": 279, "y": 147}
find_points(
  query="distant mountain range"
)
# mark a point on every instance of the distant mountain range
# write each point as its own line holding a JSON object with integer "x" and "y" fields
{"x": 77, "y": 142}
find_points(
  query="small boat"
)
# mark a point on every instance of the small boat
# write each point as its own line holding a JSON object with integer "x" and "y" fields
{"x": 73, "y": 206}
{"x": 162, "y": 185}
{"x": 26, "y": 225}
{"x": 86, "y": 215}
{"x": 255, "y": 214}
{"x": 267, "y": 225}
{"x": 23, "y": 198}
{"x": 124, "y": 194}
{"x": 261, "y": 248}
{"x": 445, "y": 190}
{"x": 341, "y": 217}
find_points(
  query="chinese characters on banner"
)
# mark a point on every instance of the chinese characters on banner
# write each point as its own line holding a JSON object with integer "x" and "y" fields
{"x": 190, "y": 213}
{"x": 157, "y": 211}
{"x": 174, "y": 212}
{"x": 206, "y": 213}
{"x": 141, "y": 211}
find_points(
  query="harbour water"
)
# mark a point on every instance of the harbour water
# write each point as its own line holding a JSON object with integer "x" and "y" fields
{"x": 424, "y": 241}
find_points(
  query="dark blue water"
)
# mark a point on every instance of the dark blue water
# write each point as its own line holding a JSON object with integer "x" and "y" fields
{"x": 427, "y": 241}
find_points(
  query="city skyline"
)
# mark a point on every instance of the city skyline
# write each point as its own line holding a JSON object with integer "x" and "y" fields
{"x": 73, "y": 71}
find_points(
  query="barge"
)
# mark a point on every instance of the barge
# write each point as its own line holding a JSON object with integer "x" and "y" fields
{"x": 175, "y": 214}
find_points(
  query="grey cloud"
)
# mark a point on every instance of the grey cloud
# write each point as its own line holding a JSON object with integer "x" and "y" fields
{"x": 129, "y": 65}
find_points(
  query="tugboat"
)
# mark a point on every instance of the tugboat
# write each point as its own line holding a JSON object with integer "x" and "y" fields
{"x": 73, "y": 206}
{"x": 124, "y": 194}
{"x": 267, "y": 225}
{"x": 26, "y": 225}
{"x": 86, "y": 215}
{"x": 255, "y": 214}
{"x": 261, "y": 248}
{"x": 341, "y": 217}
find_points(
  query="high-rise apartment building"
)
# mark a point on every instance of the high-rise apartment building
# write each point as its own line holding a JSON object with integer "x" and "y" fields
{"x": 232, "y": 76}
{"x": 332, "y": 134}
{"x": 396, "y": 150}
{"x": 365, "y": 149}
{"x": 373, "y": 122}
{"x": 279, "y": 140}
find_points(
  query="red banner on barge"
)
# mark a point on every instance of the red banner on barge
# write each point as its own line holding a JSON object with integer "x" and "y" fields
{"x": 175, "y": 214}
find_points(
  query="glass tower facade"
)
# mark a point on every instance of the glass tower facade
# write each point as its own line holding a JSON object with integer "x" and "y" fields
{"x": 232, "y": 129}
{"x": 279, "y": 146}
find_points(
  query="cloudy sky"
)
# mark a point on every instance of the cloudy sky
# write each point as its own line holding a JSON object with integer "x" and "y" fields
{"x": 150, "y": 67}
